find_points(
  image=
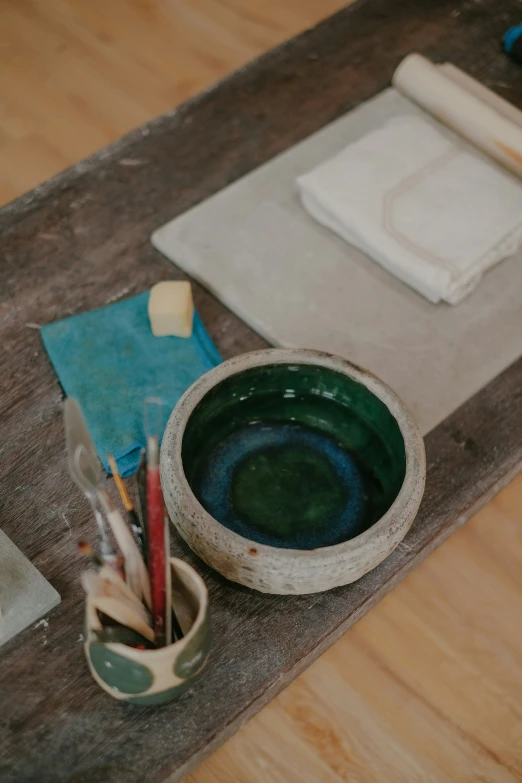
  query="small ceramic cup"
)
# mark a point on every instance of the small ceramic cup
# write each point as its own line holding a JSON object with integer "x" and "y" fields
{"x": 154, "y": 676}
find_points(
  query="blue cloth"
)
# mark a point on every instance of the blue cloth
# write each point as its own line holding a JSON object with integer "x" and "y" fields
{"x": 110, "y": 361}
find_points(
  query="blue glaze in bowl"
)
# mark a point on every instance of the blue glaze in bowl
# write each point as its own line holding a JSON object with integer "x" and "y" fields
{"x": 284, "y": 485}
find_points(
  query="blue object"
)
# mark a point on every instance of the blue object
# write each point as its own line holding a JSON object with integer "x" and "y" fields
{"x": 110, "y": 361}
{"x": 511, "y": 37}
{"x": 259, "y": 455}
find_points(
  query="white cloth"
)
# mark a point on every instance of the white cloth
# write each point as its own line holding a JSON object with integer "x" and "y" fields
{"x": 428, "y": 209}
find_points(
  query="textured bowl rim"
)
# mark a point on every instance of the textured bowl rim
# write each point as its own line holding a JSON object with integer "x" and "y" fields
{"x": 404, "y": 506}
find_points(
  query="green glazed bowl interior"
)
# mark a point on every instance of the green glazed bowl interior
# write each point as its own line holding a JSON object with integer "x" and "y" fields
{"x": 295, "y": 456}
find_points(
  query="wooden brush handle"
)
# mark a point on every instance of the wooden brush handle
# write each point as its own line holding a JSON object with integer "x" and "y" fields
{"x": 135, "y": 571}
{"x": 156, "y": 554}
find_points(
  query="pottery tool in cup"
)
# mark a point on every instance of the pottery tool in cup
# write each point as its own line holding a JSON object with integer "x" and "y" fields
{"x": 122, "y": 613}
{"x": 114, "y": 602}
{"x": 157, "y": 528}
{"x": 132, "y": 518}
{"x": 141, "y": 480}
{"x": 101, "y": 583}
{"x": 76, "y": 433}
{"x": 85, "y": 469}
{"x": 135, "y": 570}
{"x": 111, "y": 576}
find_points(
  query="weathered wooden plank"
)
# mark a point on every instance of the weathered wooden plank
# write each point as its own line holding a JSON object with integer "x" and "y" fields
{"x": 81, "y": 241}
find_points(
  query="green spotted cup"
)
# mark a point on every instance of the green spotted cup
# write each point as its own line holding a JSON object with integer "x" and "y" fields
{"x": 155, "y": 676}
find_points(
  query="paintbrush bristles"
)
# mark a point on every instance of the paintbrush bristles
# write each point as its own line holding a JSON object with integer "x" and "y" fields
{"x": 85, "y": 549}
{"x": 122, "y": 489}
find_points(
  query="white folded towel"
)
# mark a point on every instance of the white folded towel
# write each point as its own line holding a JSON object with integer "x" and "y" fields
{"x": 430, "y": 210}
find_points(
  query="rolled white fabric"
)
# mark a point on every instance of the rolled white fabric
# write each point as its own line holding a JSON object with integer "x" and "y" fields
{"x": 482, "y": 92}
{"x": 439, "y": 92}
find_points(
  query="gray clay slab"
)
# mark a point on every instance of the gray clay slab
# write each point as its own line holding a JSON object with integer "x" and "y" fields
{"x": 297, "y": 284}
{"x": 25, "y": 595}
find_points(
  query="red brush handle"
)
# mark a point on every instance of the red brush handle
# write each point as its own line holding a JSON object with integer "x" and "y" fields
{"x": 157, "y": 554}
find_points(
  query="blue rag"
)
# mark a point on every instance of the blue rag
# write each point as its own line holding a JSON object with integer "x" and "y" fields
{"x": 110, "y": 361}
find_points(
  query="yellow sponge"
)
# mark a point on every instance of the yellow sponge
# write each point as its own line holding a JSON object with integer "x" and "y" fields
{"x": 171, "y": 309}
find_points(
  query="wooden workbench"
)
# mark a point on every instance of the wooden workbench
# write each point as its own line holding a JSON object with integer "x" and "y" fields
{"x": 81, "y": 241}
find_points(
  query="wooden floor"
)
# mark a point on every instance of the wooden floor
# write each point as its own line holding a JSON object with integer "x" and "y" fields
{"x": 76, "y": 74}
{"x": 428, "y": 686}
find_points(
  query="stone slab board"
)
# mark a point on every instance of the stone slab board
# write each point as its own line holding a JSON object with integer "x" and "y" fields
{"x": 299, "y": 285}
{"x": 25, "y": 595}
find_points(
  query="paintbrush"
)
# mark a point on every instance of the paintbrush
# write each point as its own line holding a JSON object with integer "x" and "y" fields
{"x": 132, "y": 517}
{"x": 135, "y": 569}
{"x": 86, "y": 475}
{"x": 141, "y": 480}
{"x": 85, "y": 549}
{"x": 157, "y": 529}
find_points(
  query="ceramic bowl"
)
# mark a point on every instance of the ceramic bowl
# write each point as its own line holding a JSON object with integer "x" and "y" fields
{"x": 156, "y": 676}
{"x": 292, "y": 471}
